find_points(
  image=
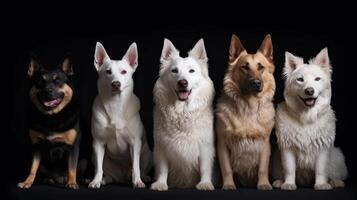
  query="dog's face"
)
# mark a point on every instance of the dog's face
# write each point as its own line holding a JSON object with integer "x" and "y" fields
{"x": 115, "y": 75}
{"x": 183, "y": 75}
{"x": 249, "y": 73}
{"x": 306, "y": 83}
{"x": 50, "y": 91}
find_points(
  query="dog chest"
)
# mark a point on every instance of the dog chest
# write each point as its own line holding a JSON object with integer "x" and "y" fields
{"x": 305, "y": 138}
{"x": 118, "y": 140}
{"x": 244, "y": 153}
{"x": 66, "y": 137}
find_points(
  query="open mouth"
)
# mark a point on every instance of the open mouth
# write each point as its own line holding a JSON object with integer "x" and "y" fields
{"x": 183, "y": 94}
{"x": 52, "y": 103}
{"x": 116, "y": 90}
{"x": 308, "y": 102}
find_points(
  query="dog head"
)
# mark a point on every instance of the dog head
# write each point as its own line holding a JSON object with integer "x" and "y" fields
{"x": 183, "y": 75}
{"x": 306, "y": 83}
{"x": 249, "y": 74}
{"x": 50, "y": 91}
{"x": 115, "y": 75}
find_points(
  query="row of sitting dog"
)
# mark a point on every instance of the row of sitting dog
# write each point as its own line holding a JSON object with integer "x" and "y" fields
{"x": 188, "y": 132}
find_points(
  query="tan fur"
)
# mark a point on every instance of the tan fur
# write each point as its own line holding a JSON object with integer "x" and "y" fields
{"x": 72, "y": 176}
{"x": 67, "y": 137}
{"x": 245, "y": 121}
{"x": 67, "y": 91}
{"x": 31, "y": 177}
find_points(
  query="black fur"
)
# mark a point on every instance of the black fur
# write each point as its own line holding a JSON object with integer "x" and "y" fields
{"x": 54, "y": 155}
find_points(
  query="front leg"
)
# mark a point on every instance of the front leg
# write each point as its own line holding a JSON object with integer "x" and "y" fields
{"x": 320, "y": 172}
{"x": 206, "y": 164}
{"x": 225, "y": 164}
{"x": 72, "y": 168}
{"x": 135, "y": 152}
{"x": 99, "y": 149}
{"x": 263, "y": 173}
{"x": 161, "y": 171}
{"x": 222, "y": 151}
{"x": 288, "y": 161}
{"x": 31, "y": 177}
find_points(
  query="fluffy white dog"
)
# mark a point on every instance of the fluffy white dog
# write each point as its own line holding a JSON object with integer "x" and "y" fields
{"x": 119, "y": 139}
{"x": 183, "y": 120}
{"x": 305, "y": 127}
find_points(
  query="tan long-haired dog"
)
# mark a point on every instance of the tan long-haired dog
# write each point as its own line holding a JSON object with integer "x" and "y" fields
{"x": 245, "y": 116}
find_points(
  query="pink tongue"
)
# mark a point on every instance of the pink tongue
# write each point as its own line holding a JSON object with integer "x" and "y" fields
{"x": 183, "y": 95}
{"x": 51, "y": 103}
{"x": 309, "y": 102}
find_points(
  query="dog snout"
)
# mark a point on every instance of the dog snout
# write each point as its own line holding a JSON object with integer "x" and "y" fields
{"x": 309, "y": 91}
{"x": 48, "y": 90}
{"x": 256, "y": 84}
{"x": 116, "y": 84}
{"x": 183, "y": 83}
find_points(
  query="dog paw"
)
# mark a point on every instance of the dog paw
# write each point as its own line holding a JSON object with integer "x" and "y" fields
{"x": 94, "y": 184}
{"x": 159, "y": 186}
{"x": 277, "y": 183}
{"x": 24, "y": 185}
{"x": 229, "y": 187}
{"x": 324, "y": 186}
{"x": 337, "y": 183}
{"x": 72, "y": 186}
{"x": 264, "y": 186}
{"x": 138, "y": 184}
{"x": 288, "y": 186}
{"x": 205, "y": 186}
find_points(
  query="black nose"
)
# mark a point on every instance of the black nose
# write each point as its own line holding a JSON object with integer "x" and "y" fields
{"x": 256, "y": 84}
{"x": 182, "y": 83}
{"x": 116, "y": 84}
{"x": 309, "y": 91}
{"x": 48, "y": 90}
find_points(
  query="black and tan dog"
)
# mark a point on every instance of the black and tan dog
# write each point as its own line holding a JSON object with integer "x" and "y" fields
{"x": 54, "y": 124}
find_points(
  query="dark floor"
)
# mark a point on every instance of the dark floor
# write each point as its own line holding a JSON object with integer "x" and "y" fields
{"x": 117, "y": 192}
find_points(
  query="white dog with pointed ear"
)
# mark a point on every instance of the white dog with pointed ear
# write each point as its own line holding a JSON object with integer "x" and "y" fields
{"x": 119, "y": 140}
{"x": 305, "y": 128}
{"x": 183, "y": 120}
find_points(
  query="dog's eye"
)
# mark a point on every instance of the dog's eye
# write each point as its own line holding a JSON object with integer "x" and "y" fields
{"x": 174, "y": 70}
{"x": 108, "y": 71}
{"x": 317, "y": 78}
{"x": 246, "y": 66}
{"x": 260, "y": 67}
{"x": 191, "y": 70}
{"x": 123, "y": 72}
{"x": 300, "y": 79}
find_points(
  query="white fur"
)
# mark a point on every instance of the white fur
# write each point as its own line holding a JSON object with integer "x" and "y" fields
{"x": 119, "y": 140}
{"x": 306, "y": 135}
{"x": 183, "y": 130}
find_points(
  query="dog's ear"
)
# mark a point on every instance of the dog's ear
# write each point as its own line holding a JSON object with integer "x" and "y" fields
{"x": 34, "y": 66}
{"x": 291, "y": 63}
{"x": 67, "y": 65}
{"x": 266, "y": 48}
{"x": 100, "y": 56}
{"x": 199, "y": 51}
{"x": 131, "y": 56}
{"x": 235, "y": 48}
{"x": 322, "y": 59}
{"x": 168, "y": 51}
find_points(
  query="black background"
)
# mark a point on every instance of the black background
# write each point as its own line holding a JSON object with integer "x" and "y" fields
{"x": 50, "y": 33}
